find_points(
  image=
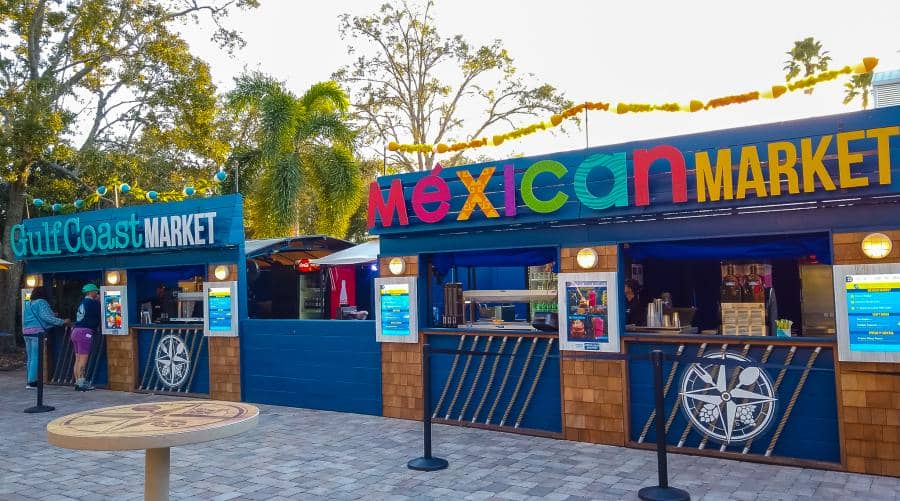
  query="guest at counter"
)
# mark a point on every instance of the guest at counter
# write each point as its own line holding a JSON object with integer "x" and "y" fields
{"x": 634, "y": 308}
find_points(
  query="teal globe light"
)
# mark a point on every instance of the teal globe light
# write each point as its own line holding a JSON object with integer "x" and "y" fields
{"x": 79, "y": 204}
{"x": 152, "y": 195}
{"x": 56, "y": 207}
{"x": 189, "y": 191}
{"x": 221, "y": 176}
{"x": 124, "y": 188}
{"x": 101, "y": 190}
{"x": 38, "y": 202}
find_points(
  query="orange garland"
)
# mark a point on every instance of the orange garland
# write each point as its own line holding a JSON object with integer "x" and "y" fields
{"x": 868, "y": 64}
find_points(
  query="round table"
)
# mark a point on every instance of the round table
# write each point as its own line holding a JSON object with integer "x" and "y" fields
{"x": 155, "y": 427}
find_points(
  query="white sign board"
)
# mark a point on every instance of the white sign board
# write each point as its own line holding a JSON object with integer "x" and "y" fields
{"x": 220, "y": 309}
{"x": 114, "y": 310}
{"x": 588, "y": 311}
{"x": 395, "y": 310}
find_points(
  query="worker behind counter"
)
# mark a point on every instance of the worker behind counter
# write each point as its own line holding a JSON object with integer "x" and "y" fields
{"x": 163, "y": 304}
{"x": 635, "y": 310}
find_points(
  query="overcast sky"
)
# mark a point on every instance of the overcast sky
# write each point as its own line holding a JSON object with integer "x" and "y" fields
{"x": 601, "y": 51}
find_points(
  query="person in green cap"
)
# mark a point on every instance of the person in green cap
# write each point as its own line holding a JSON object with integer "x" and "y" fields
{"x": 87, "y": 323}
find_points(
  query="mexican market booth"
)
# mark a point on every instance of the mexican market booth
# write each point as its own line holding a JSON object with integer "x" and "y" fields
{"x": 168, "y": 274}
{"x": 771, "y": 248}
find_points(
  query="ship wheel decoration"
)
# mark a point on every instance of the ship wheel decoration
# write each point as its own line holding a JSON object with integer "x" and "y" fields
{"x": 172, "y": 361}
{"x": 724, "y": 407}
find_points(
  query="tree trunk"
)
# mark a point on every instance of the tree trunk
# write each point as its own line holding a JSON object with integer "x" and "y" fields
{"x": 11, "y": 280}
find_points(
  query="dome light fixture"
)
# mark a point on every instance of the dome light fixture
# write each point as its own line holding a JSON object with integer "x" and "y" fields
{"x": 877, "y": 245}
{"x": 586, "y": 258}
{"x": 397, "y": 265}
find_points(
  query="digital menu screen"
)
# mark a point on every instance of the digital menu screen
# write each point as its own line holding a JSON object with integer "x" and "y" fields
{"x": 394, "y": 304}
{"x": 873, "y": 310}
{"x": 586, "y": 311}
{"x": 112, "y": 309}
{"x": 219, "y": 314}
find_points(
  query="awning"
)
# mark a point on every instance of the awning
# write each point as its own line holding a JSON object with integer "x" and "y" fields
{"x": 4, "y": 265}
{"x": 287, "y": 251}
{"x": 360, "y": 254}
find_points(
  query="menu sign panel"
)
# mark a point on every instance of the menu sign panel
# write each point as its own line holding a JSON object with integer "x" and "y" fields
{"x": 589, "y": 312}
{"x": 873, "y": 312}
{"x": 220, "y": 300}
{"x": 395, "y": 315}
{"x": 114, "y": 304}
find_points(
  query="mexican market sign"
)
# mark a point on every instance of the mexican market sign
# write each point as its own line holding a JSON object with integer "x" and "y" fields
{"x": 855, "y": 155}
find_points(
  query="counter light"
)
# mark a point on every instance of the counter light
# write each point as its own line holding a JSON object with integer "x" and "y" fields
{"x": 877, "y": 245}
{"x": 221, "y": 272}
{"x": 397, "y": 265}
{"x": 113, "y": 277}
{"x": 586, "y": 258}
{"x": 31, "y": 281}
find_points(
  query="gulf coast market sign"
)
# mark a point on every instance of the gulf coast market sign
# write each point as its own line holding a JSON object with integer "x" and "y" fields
{"x": 178, "y": 225}
{"x": 855, "y": 154}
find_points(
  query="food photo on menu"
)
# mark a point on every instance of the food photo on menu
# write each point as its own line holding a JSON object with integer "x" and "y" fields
{"x": 586, "y": 303}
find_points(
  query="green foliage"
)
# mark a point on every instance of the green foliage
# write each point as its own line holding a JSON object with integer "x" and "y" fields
{"x": 398, "y": 95}
{"x": 807, "y": 57}
{"x": 858, "y": 86}
{"x": 296, "y": 164}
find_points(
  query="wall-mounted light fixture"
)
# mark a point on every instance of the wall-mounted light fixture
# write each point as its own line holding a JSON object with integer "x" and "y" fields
{"x": 221, "y": 272}
{"x": 877, "y": 245}
{"x": 397, "y": 265}
{"x": 32, "y": 281}
{"x": 586, "y": 258}
{"x": 113, "y": 277}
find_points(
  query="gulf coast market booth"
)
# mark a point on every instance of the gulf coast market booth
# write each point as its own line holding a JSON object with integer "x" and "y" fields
{"x": 191, "y": 308}
{"x": 771, "y": 248}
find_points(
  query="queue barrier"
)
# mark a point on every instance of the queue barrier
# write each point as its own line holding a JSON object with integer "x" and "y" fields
{"x": 661, "y": 491}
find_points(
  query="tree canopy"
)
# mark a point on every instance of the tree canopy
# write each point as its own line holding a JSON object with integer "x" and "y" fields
{"x": 399, "y": 94}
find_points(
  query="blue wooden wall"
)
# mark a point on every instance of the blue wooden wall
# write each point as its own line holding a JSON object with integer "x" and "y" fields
{"x": 330, "y": 365}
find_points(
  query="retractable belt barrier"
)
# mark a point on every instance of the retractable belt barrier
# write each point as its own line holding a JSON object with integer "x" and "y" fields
{"x": 662, "y": 491}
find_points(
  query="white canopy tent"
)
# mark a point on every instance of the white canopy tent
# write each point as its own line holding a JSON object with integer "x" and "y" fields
{"x": 360, "y": 254}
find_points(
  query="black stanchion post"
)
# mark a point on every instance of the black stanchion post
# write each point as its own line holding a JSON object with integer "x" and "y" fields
{"x": 427, "y": 462}
{"x": 40, "y": 407}
{"x": 661, "y": 492}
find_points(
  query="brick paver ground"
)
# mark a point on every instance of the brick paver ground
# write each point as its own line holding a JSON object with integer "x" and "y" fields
{"x": 306, "y": 454}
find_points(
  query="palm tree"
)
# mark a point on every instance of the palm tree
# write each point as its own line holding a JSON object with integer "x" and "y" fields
{"x": 297, "y": 168}
{"x": 858, "y": 86}
{"x": 808, "y": 57}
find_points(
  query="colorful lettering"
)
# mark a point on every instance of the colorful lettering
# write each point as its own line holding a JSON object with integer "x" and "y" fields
{"x": 476, "y": 196}
{"x": 846, "y": 159}
{"x": 883, "y": 140}
{"x": 509, "y": 190}
{"x": 643, "y": 159}
{"x": 387, "y": 209}
{"x": 777, "y": 167}
{"x": 617, "y": 195}
{"x": 813, "y": 165}
{"x": 750, "y": 174}
{"x": 714, "y": 185}
{"x": 527, "y": 187}
{"x": 439, "y": 195}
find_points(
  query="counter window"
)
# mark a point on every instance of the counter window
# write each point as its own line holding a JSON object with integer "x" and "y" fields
{"x": 744, "y": 286}
{"x": 168, "y": 295}
{"x": 511, "y": 289}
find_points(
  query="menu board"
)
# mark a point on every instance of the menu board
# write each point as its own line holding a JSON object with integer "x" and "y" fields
{"x": 873, "y": 312}
{"x": 395, "y": 315}
{"x": 220, "y": 306}
{"x": 586, "y": 311}
{"x": 114, "y": 305}
{"x": 589, "y": 316}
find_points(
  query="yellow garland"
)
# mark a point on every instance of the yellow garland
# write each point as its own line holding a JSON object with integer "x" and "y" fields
{"x": 867, "y": 65}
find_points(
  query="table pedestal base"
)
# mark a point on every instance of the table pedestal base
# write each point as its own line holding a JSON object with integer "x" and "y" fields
{"x": 156, "y": 474}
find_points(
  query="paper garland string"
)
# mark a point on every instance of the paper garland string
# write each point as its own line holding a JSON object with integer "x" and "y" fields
{"x": 774, "y": 92}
